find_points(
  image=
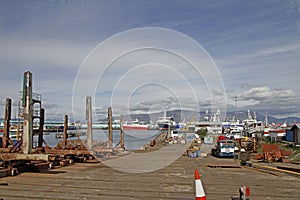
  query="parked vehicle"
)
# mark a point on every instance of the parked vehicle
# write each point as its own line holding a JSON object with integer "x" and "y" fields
{"x": 223, "y": 147}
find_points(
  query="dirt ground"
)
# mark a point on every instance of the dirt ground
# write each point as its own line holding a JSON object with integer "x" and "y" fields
{"x": 175, "y": 181}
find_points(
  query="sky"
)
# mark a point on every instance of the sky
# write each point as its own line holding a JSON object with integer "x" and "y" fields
{"x": 148, "y": 56}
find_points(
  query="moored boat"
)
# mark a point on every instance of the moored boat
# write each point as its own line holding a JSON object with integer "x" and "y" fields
{"x": 135, "y": 125}
{"x": 279, "y": 129}
{"x": 165, "y": 123}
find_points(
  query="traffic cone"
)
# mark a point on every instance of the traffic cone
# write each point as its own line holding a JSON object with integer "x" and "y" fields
{"x": 200, "y": 195}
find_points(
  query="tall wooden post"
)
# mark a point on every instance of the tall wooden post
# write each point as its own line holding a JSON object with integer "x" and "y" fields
{"x": 28, "y": 113}
{"x": 66, "y": 131}
{"x": 169, "y": 130}
{"x": 89, "y": 123}
{"x": 121, "y": 133}
{"x": 41, "y": 130}
{"x": 110, "y": 131}
{"x": 18, "y": 128}
{"x": 7, "y": 118}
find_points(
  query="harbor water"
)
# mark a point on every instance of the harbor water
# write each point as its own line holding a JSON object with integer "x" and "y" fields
{"x": 133, "y": 139}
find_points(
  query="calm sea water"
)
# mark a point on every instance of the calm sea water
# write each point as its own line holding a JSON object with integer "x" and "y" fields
{"x": 134, "y": 139}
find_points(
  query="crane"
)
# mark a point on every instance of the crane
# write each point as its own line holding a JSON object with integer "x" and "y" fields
{"x": 188, "y": 123}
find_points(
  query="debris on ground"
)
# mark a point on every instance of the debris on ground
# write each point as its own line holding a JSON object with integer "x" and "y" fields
{"x": 272, "y": 153}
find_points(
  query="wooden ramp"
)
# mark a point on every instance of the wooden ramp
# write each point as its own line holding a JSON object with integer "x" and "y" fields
{"x": 145, "y": 162}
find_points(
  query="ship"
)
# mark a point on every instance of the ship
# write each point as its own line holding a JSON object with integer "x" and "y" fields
{"x": 251, "y": 125}
{"x": 165, "y": 123}
{"x": 135, "y": 125}
{"x": 277, "y": 129}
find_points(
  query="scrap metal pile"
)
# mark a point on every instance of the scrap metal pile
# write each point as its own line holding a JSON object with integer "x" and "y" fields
{"x": 272, "y": 153}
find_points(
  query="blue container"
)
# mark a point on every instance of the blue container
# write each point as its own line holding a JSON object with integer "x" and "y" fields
{"x": 289, "y": 136}
{"x": 198, "y": 153}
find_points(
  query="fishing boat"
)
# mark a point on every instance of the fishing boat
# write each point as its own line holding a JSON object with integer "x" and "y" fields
{"x": 165, "y": 123}
{"x": 136, "y": 125}
{"x": 252, "y": 125}
{"x": 279, "y": 129}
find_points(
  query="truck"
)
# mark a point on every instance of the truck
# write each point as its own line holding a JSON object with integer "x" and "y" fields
{"x": 223, "y": 147}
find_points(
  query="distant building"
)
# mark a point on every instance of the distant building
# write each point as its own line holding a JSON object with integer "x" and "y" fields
{"x": 296, "y": 134}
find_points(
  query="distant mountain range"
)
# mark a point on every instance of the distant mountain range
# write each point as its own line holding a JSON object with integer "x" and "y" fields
{"x": 186, "y": 115}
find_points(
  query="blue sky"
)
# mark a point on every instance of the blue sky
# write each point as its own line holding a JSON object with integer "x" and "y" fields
{"x": 253, "y": 44}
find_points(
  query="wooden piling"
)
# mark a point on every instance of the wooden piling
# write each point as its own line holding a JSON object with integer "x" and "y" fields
{"x": 19, "y": 121}
{"x": 110, "y": 131}
{"x": 121, "y": 133}
{"x": 28, "y": 113}
{"x": 41, "y": 129}
{"x": 89, "y": 123}
{"x": 7, "y": 119}
{"x": 169, "y": 130}
{"x": 65, "y": 131}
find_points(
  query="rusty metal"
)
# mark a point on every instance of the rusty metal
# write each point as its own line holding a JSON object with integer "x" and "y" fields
{"x": 293, "y": 169}
{"x": 276, "y": 169}
{"x": 222, "y": 166}
{"x": 16, "y": 147}
{"x": 262, "y": 170}
{"x": 5, "y": 138}
{"x": 21, "y": 156}
{"x": 272, "y": 153}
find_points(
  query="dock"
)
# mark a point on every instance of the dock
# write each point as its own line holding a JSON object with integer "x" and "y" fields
{"x": 175, "y": 181}
{"x": 164, "y": 169}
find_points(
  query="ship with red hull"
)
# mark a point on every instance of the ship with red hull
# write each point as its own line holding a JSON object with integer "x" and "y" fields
{"x": 279, "y": 129}
{"x": 135, "y": 125}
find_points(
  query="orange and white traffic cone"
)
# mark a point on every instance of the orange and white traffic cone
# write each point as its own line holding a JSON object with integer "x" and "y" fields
{"x": 200, "y": 195}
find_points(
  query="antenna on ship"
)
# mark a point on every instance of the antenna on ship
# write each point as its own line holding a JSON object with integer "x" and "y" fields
{"x": 249, "y": 115}
{"x": 165, "y": 114}
{"x": 235, "y": 99}
{"x": 266, "y": 120}
{"x": 206, "y": 115}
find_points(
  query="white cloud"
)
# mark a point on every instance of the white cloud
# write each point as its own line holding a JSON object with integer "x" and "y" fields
{"x": 247, "y": 59}
{"x": 267, "y": 94}
{"x": 56, "y": 36}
